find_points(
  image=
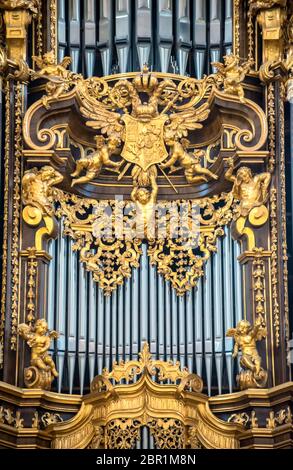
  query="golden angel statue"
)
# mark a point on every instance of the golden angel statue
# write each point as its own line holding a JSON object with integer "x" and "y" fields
{"x": 38, "y": 337}
{"x": 251, "y": 191}
{"x": 232, "y": 74}
{"x": 147, "y": 122}
{"x": 93, "y": 164}
{"x": 245, "y": 337}
{"x": 191, "y": 163}
{"x": 59, "y": 78}
{"x": 37, "y": 187}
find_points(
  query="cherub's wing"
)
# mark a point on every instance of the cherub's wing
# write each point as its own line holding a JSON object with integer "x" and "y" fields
{"x": 100, "y": 118}
{"x": 232, "y": 332}
{"x": 188, "y": 120}
{"x": 219, "y": 66}
{"x": 66, "y": 62}
{"x": 38, "y": 60}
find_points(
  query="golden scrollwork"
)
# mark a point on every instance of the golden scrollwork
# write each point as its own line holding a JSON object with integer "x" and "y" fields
{"x": 7, "y": 417}
{"x": 42, "y": 370}
{"x": 159, "y": 396}
{"x": 231, "y": 74}
{"x": 280, "y": 418}
{"x": 145, "y": 365}
{"x": 245, "y": 336}
{"x": 110, "y": 242}
{"x": 246, "y": 420}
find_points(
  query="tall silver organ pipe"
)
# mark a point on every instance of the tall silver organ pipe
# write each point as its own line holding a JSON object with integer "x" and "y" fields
{"x": 112, "y": 36}
{"x": 96, "y": 330}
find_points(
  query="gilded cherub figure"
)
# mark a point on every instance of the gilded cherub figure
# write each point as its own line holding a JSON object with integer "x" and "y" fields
{"x": 59, "y": 78}
{"x": 39, "y": 338}
{"x": 144, "y": 195}
{"x": 251, "y": 191}
{"x": 245, "y": 337}
{"x": 94, "y": 163}
{"x": 232, "y": 75}
{"x": 37, "y": 188}
{"x": 191, "y": 163}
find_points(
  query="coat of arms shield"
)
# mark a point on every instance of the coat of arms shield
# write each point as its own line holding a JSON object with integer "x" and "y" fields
{"x": 144, "y": 141}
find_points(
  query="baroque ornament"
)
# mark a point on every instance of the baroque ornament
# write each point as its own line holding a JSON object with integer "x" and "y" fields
{"x": 42, "y": 370}
{"x": 108, "y": 235}
{"x": 245, "y": 336}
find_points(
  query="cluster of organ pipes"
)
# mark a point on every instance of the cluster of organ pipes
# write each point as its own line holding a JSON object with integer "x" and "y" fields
{"x": 95, "y": 330}
{"x": 111, "y": 36}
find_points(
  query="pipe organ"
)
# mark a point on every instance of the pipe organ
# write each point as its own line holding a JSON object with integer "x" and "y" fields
{"x": 182, "y": 36}
{"x": 145, "y": 279}
{"x": 97, "y": 330}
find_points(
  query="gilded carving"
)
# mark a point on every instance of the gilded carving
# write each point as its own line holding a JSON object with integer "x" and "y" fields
{"x": 245, "y": 336}
{"x": 191, "y": 163}
{"x": 59, "y": 79}
{"x": 5, "y": 220}
{"x": 232, "y": 74}
{"x": 109, "y": 238}
{"x": 146, "y": 365}
{"x": 252, "y": 192}
{"x": 37, "y": 188}
{"x": 42, "y": 370}
{"x": 16, "y": 213}
{"x": 93, "y": 164}
{"x": 283, "y": 416}
{"x": 168, "y": 433}
{"x": 32, "y": 265}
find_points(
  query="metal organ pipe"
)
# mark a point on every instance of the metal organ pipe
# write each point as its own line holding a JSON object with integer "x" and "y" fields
{"x": 96, "y": 330}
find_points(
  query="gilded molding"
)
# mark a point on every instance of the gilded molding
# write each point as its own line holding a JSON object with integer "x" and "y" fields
{"x": 53, "y": 26}
{"x": 258, "y": 274}
{"x": 272, "y": 126}
{"x": 16, "y": 214}
{"x": 274, "y": 265}
{"x": 5, "y": 220}
{"x": 236, "y": 27}
{"x": 32, "y": 265}
{"x": 283, "y": 212}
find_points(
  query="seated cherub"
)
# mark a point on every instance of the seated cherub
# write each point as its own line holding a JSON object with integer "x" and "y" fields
{"x": 39, "y": 339}
{"x": 94, "y": 163}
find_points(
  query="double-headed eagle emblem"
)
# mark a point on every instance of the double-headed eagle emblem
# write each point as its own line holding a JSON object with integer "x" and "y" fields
{"x": 150, "y": 128}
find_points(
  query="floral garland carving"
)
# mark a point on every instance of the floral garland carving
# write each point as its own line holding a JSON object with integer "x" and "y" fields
{"x": 5, "y": 219}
